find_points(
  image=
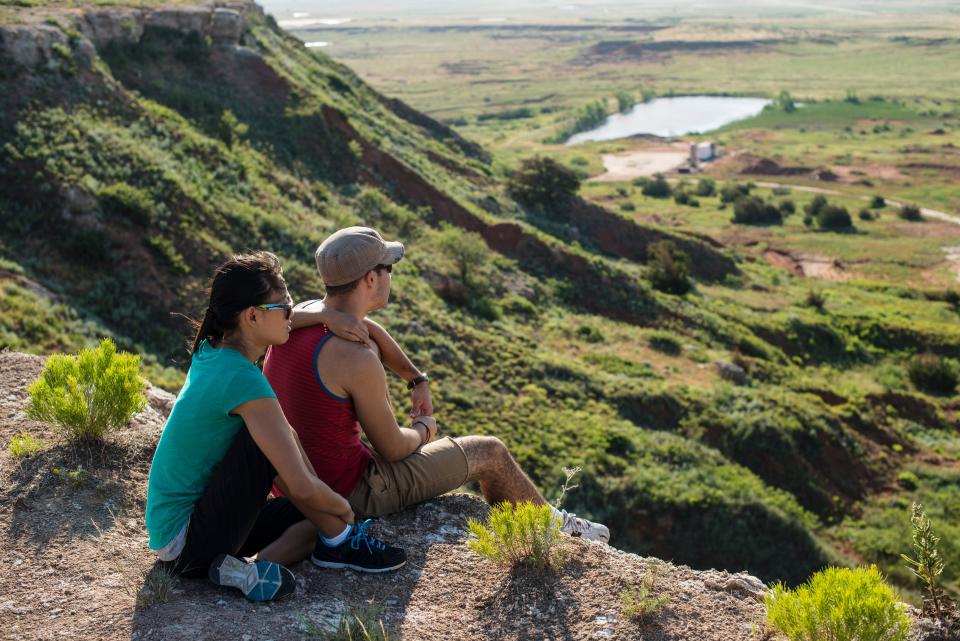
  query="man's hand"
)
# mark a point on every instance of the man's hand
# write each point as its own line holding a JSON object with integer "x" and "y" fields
{"x": 420, "y": 401}
{"x": 431, "y": 425}
{"x": 347, "y": 327}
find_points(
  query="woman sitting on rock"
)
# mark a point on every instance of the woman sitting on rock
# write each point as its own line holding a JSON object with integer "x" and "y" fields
{"x": 227, "y": 442}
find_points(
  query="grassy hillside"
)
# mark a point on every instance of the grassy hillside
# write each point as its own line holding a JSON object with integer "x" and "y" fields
{"x": 128, "y": 174}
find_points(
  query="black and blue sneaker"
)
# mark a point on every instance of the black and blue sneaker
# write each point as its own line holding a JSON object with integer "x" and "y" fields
{"x": 258, "y": 580}
{"x": 360, "y": 551}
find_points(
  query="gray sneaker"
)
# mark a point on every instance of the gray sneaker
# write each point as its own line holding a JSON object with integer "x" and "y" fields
{"x": 576, "y": 526}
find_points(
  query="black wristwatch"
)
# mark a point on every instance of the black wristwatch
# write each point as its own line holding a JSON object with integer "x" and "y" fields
{"x": 422, "y": 378}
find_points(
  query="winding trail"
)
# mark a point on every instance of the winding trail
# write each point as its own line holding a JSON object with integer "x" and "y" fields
{"x": 932, "y": 213}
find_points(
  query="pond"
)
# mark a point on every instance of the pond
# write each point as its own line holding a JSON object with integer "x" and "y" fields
{"x": 674, "y": 117}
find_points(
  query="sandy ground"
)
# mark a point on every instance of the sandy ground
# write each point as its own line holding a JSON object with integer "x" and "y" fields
{"x": 77, "y": 565}
{"x": 648, "y": 162}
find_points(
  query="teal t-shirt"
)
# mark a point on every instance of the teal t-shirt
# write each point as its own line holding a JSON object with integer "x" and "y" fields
{"x": 197, "y": 435}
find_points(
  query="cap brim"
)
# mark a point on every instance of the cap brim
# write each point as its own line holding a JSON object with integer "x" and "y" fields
{"x": 392, "y": 253}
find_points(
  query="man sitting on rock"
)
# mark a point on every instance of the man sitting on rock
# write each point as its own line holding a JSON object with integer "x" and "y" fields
{"x": 331, "y": 388}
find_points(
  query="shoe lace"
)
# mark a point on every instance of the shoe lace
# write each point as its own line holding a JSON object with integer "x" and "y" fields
{"x": 360, "y": 535}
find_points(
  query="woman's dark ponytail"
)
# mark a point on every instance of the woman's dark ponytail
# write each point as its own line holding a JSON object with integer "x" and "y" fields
{"x": 241, "y": 282}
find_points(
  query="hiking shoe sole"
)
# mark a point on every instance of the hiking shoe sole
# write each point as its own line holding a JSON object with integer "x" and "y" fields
{"x": 359, "y": 568}
{"x": 259, "y": 580}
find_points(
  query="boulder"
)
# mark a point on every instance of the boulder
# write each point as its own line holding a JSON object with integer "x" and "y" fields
{"x": 228, "y": 26}
{"x": 31, "y": 45}
{"x": 104, "y": 28}
{"x": 186, "y": 20}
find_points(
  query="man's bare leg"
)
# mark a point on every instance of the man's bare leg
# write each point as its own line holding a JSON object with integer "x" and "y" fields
{"x": 501, "y": 479}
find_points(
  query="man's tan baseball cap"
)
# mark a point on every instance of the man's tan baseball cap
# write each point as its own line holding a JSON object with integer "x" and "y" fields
{"x": 350, "y": 253}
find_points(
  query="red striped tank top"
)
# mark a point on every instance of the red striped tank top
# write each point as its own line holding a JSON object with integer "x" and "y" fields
{"x": 326, "y": 423}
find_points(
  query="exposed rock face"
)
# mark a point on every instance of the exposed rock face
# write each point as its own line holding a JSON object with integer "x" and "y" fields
{"x": 32, "y": 45}
{"x": 121, "y": 26}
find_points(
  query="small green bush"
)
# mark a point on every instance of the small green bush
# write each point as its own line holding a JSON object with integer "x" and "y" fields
{"x": 657, "y": 188}
{"x": 933, "y": 374}
{"x": 908, "y": 481}
{"x": 733, "y": 192}
{"x": 669, "y": 269}
{"x": 910, "y": 213}
{"x": 90, "y": 394}
{"x": 865, "y": 214}
{"x": 928, "y": 566}
{"x": 706, "y": 187}
{"x": 522, "y": 534}
{"x": 878, "y": 202}
{"x": 838, "y": 604}
{"x": 787, "y": 207}
{"x": 123, "y": 200}
{"x": 751, "y": 210}
{"x": 834, "y": 217}
{"x": 25, "y": 445}
{"x": 664, "y": 342}
{"x": 590, "y": 334}
{"x": 815, "y": 300}
{"x": 638, "y": 602}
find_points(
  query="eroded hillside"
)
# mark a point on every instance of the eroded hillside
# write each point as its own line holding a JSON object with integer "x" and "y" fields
{"x": 141, "y": 146}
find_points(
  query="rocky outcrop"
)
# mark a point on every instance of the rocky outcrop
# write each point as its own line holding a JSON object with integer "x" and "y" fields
{"x": 29, "y": 45}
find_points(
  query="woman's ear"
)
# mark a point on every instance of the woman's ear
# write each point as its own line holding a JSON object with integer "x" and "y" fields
{"x": 248, "y": 316}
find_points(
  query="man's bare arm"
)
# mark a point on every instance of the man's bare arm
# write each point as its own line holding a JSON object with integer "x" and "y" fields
{"x": 397, "y": 361}
{"x": 364, "y": 381}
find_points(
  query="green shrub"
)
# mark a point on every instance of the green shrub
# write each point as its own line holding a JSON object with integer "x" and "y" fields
{"x": 751, "y": 210}
{"x": 90, "y": 394}
{"x": 732, "y": 192}
{"x": 928, "y": 566}
{"x": 590, "y": 334}
{"x": 911, "y": 213}
{"x": 639, "y": 602}
{"x": 657, "y": 188}
{"x": 543, "y": 183}
{"x": 815, "y": 300}
{"x": 669, "y": 269}
{"x": 834, "y": 217}
{"x": 706, "y": 187}
{"x": 838, "y": 604}
{"x": 787, "y": 207}
{"x": 878, "y": 202}
{"x": 814, "y": 206}
{"x": 931, "y": 373}
{"x": 664, "y": 342}
{"x": 908, "y": 481}
{"x": 25, "y": 445}
{"x": 121, "y": 199}
{"x": 522, "y": 534}
{"x": 468, "y": 252}
{"x": 865, "y": 214}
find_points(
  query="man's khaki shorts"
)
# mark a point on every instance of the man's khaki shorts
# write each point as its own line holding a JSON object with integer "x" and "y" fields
{"x": 432, "y": 470}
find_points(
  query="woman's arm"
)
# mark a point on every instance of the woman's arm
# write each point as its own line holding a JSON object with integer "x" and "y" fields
{"x": 314, "y": 312}
{"x": 274, "y": 436}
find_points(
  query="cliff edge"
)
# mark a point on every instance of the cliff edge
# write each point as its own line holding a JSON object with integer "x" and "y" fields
{"x": 77, "y": 564}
